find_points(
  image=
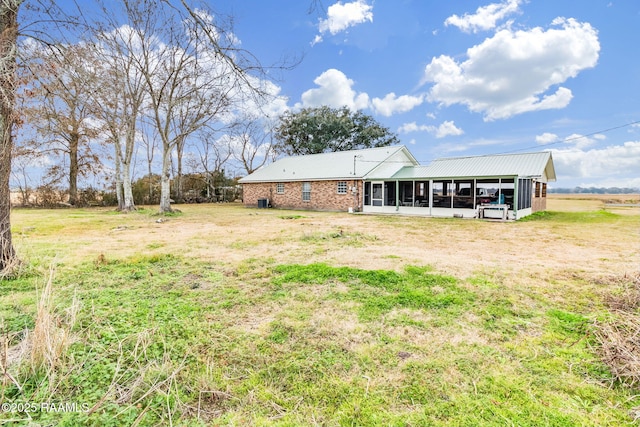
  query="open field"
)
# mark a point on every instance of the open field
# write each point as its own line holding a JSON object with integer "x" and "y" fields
{"x": 223, "y": 315}
{"x": 586, "y": 202}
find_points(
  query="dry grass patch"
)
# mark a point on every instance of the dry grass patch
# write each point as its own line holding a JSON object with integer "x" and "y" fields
{"x": 618, "y": 336}
{"x": 51, "y": 335}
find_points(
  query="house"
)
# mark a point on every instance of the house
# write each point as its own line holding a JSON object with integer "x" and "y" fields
{"x": 328, "y": 181}
{"x": 390, "y": 180}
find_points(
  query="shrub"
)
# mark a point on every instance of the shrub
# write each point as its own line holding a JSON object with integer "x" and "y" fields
{"x": 89, "y": 197}
{"x": 49, "y": 196}
{"x": 146, "y": 190}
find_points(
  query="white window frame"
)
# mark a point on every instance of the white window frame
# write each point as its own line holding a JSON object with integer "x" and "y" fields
{"x": 280, "y": 188}
{"x": 306, "y": 191}
{"x": 342, "y": 187}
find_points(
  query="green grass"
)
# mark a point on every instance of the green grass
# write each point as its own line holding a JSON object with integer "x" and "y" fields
{"x": 145, "y": 330}
{"x": 379, "y": 291}
{"x": 266, "y": 343}
{"x": 355, "y": 239}
{"x": 589, "y": 217}
{"x": 291, "y": 216}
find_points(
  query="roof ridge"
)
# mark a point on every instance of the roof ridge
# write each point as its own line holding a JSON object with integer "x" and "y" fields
{"x": 359, "y": 150}
{"x": 491, "y": 155}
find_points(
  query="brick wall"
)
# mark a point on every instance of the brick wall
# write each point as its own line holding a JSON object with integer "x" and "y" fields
{"x": 539, "y": 197}
{"x": 539, "y": 204}
{"x": 324, "y": 195}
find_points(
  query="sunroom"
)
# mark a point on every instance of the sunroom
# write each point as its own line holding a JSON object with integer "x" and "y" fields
{"x": 499, "y": 187}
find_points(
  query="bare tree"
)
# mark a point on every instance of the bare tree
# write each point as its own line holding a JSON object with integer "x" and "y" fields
{"x": 9, "y": 32}
{"x": 212, "y": 155}
{"x": 187, "y": 84}
{"x": 254, "y": 145}
{"x": 61, "y": 111}
{"x": 120, "y": 99}
{"x": 22, "y": 160}
{"x": 8, "y": 50}
{"x": 149, "y": 140}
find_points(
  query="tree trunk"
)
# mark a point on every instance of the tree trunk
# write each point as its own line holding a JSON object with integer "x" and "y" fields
{"x": 119, "y": 195}
{"x": 165, "y": 189}
{"x": 150, "y": 179}
{"x": 8, "y": 46}
{"x": 7, "y": 253}
{"x": 178, "y": 182}
{"x": 149, "y": 173}
{"x": 129, "y": 205}
{"x": 73, "y": 168}
{"x": 26, "y": 193}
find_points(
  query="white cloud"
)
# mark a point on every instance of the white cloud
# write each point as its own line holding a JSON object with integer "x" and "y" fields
{"x": 514, "y": 72}
{"x": 615, "y": 165}
{"x": 335, "y": 90}
{"x": 446, "y": 128}
{"x": 485, "y": 17}
{"x": 449, "y": 147}
{"x": 412, "y": 127}
{"x": 577, "y": 140}
{"x": 547, "y": 138}
{"x": 273, "y": 104}
{"x": 392, "y": 104}
{"x": 341, "y": 16}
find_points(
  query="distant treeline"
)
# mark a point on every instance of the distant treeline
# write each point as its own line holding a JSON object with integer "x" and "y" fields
{"x": 595, "y": 190}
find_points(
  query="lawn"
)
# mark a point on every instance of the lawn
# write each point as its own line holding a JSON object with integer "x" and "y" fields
{"x": 223, "y": 315}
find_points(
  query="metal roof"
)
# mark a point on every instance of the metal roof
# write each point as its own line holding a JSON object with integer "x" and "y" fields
{"x": 528, "y": 165}
{"x": 328, "y": 166}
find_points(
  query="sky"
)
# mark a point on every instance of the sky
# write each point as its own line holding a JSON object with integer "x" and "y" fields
{"x": 467, "y": 77}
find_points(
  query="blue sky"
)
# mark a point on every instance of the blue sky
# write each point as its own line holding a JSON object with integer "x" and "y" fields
{"x": 468, "y": 77}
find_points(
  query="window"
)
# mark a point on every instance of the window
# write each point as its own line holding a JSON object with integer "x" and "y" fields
{"x": 306, "y": 191}
{"x": 487, "y": 191}
{"x": 406, "y": 193}
{"x": 421, "y": 193}
{"x": 506, "y": 192}
{"x": 463, "y": 196}
{"x": 422, "y": 189}
{"x": 367, "y": 193}
{"x": 376, "y": 193}
{"x": 280, "y": 188}
{"x": 442, "y": 191}
{"x": 538, "y": 192}
{"x": 390, "y": 193}
{"x": 342, "y": 187}
{"x": 524, "y": 193}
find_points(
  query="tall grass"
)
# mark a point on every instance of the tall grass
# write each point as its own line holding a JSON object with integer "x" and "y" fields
{"x": 52, "y": 332}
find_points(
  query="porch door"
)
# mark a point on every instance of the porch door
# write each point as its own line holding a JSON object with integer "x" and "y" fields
{"x": 377, "y": 193}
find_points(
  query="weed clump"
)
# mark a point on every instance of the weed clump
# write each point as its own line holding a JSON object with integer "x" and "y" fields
{"x": 618, "y": 336}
